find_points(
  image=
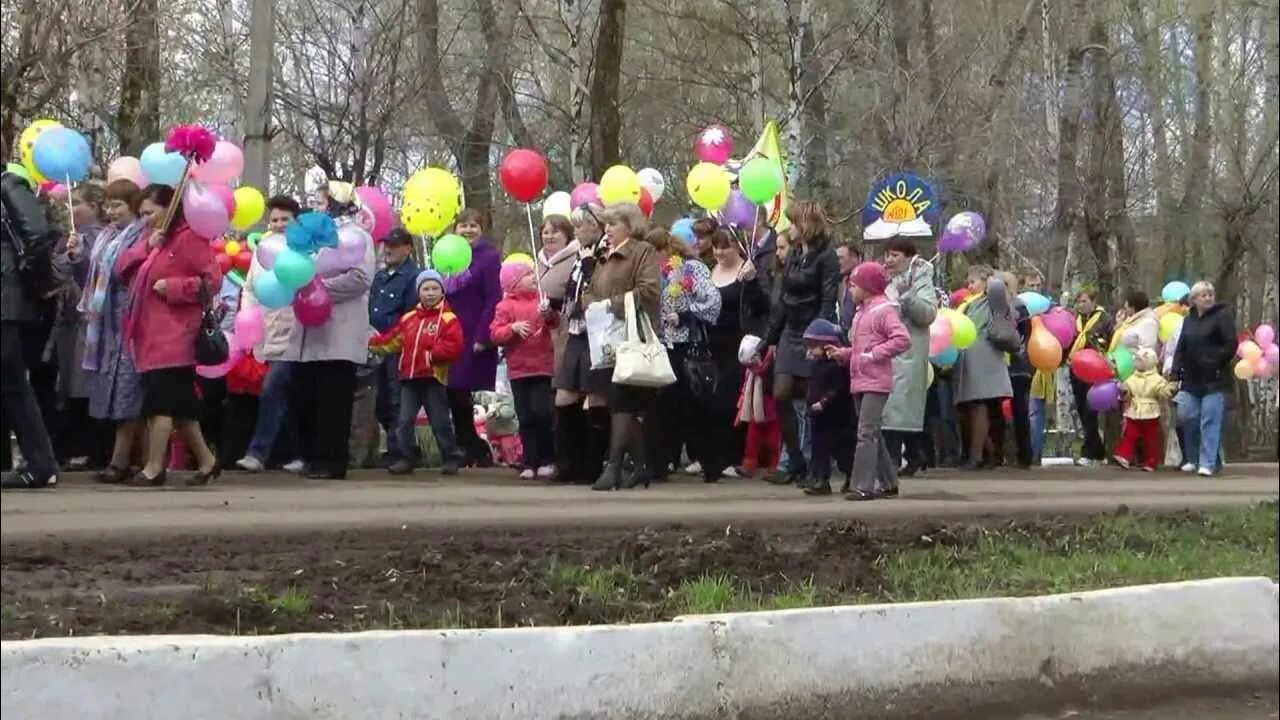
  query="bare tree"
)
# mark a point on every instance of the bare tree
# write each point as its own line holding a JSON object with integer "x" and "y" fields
{"x": 606, "y": 109}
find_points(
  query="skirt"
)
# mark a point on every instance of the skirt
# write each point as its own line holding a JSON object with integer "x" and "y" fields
{"x": 574, "y": 373}
{"x": 171, "y": 392}
{"x": 790, "y": 358}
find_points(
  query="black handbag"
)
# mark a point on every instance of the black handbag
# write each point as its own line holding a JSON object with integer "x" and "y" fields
{"x": 211, "y": 345}
{"x": 701, "y": 375}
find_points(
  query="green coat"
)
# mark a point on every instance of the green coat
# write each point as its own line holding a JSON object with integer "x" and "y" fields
{"x": 918, "y": 303}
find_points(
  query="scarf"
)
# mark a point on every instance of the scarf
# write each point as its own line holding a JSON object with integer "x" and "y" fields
{"x": 1082, "y": 330}
{"x": 753, "y": 405}
{"x": 95, "y": 299}
{"x": 138, "y": 289}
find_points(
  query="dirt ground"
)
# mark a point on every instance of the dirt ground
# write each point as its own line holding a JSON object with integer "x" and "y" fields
{"x": 367, "y": 579}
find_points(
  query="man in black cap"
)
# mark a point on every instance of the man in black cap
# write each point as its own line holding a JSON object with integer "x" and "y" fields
{"x": 393, "y": 294}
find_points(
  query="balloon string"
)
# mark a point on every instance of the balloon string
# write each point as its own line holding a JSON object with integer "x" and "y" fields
{"x": 71, "y": 207}
{"x": 177, "y": 197}
{"x": 533, "y": 243}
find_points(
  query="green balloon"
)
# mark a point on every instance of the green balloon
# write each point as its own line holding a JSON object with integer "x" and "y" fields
{"x": 253, "y": 238}
{"x": 760, "y": 180}
{"x": 20, "y": 170}
{"x": 1122, "y": 363}
{"x": 450, "y": 255}
{"x": 293, "y": 269}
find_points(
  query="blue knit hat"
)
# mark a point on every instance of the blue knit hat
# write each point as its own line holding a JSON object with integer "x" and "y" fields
{"x": 428, "y": 275}
{"x": 823, "y": 331}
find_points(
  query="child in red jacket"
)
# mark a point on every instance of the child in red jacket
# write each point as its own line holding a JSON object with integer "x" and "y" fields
{"x": 429, "y": 338}
{"x": 522, "y": 331}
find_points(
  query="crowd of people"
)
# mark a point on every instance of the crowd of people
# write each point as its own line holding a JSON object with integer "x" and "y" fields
{"x": 796, "y": 357}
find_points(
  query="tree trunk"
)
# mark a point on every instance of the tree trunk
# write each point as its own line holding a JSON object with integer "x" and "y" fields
{"x": 606, "y": 110}
{"x": 799, "y": 17}
{"x": 1162, "y": 172}
{"x": 257, "y": 111}
{"x": 1190, "y": 221}
{"x": 1066, "y": 211}
{"x": 755, "y": 68}
{"x": 816, "y": 163}
{"x": 138, "y": 118}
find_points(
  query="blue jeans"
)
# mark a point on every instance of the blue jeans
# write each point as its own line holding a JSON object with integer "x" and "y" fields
{"x": 386, "y": 380}
{"x": 273, "y": 408}
{"x": 427, "y": 393}
{"x": 1039, "y": 421}
{"x": 1201, "y": 419}
{"x": 803, "y": 428}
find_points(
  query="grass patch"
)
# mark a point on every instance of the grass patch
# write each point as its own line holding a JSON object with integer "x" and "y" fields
{"x": 599, "y": 585}
{"x": 291, "y": 602}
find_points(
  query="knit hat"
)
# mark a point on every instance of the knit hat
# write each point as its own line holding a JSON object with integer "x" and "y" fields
{"x": 822, "y": 331}
{"x": 511, "y": 273}
{"x": 871, "y": 277}
{"x": 428, "y": 275}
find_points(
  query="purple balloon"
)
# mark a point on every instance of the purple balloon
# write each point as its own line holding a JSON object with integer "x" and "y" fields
{"x": 953, "y": 241}
{"x": 1062, "y": 324}
{"x": 587, "y": 193}
{"x": 351, "y": 245}
{"x": 1104, "y": 396}
{"x": 329, "y": 262}
{"x": 738, "y": 210}
{"x": 268, "y": 247}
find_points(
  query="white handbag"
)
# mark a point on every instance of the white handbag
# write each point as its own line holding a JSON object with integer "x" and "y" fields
{"x": 641, "y": 359}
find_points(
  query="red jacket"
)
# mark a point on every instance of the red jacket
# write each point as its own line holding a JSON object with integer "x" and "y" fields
{"x": 429, "y": 339}
{"x": 160, "y": 330}
{"x": 530, "y": 356}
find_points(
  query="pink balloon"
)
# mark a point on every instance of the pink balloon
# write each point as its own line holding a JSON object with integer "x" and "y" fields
{"x": 226, "y": 195}
{"x": 714, "y": 144}
{"x": 1272, "y": 355}
{"x": 587, "y": 193}
{"x": 250, "y": 326}
{"x": 268, "y": 247}
{"x": 234, "y": 354}
{"x": 1062, "y": 324}
{"x": 1263, "y": 369}
{"x": 940, "y": 334}
{"x": 312, "y": 305}
{"x": 376, "y": 201}
{"x": 224, "y": 166}
{"x": 1265, "y": 336}
{"x": 127, "y": 168}
{"x": 205, "y": 211}
{"x": 57, "y": 192}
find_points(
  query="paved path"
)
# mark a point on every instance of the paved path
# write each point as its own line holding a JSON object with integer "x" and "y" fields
{"x": 275, "y": 502}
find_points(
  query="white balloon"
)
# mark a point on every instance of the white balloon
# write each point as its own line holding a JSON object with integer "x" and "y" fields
{"x": 652, "y": 181}
{"x": 557, "y": 203}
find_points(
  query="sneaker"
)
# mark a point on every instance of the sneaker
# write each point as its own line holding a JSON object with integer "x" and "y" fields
{"x": 1205, "y": 472}
{"x": 26, "y": 480}
{"x": 1188, "y": 467}
{"x": 1121, "y": 462}
{"x": 693, "y": 468}
{"x": 1085, "y": 462}
{"x": 730, "y": 473}
{"x": 1148, "y": 468}
{"x": 546, "y": 472}
{"x": 251, "y": 464}
{"x": 526, "y": 474}
{"x": 450, "y": 467}
{"x": 401, "y": 467}
{"x": 297, "y": 467}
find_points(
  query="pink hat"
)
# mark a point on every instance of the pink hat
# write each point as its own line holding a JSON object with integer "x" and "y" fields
{"x": 871, "y": 277}
{"x": 511, "y": 273}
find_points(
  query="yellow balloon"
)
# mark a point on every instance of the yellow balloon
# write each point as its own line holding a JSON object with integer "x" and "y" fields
{"x": 250, "y": 205}
{"x": 27, "y": 146}
{"x": 232, "y": 248}
{"x": 1169, "y": 324}
{"x": 1250, "y": 351}
{"x": 620, "y": 184}
{"x": 519, "y": 257}
{"x": 1244, "y": 369}
{"x": 436, "y": 184}
{"x": 709, "y": 186}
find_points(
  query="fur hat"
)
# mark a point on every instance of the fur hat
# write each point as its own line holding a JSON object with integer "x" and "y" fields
{"x": 511, "y": 273}
{"x": 428, "y": 275}
{"x": 822, "y": 331}
{"x": 871, "y": 277}
{"x": 1144, "y": 359}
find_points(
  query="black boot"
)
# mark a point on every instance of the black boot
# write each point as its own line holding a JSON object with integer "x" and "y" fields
{"x": 818, "y": 486}
{"x": 595, "y": 445}
{"x": 610, "y": 478}
{"x": 570, "y": 432}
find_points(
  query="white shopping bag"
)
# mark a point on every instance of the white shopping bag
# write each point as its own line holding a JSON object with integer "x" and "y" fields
{"x": 605, "y": 331}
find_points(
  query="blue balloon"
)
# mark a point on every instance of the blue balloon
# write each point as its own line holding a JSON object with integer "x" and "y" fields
{"x": 1172, "y": 292}
{"x": 946, "y": 358}
{"x": 683, "y": 229}
{"x": 311, "y": 231}
{"x": 268, "y": 290}
{"x": 62, "y": 154}
{"x": 160, "y": 167}
{"x": 1035, "y": 303}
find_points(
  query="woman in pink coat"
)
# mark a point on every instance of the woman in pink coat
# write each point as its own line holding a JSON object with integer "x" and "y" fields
{"x": 171, "y": 275}
{"x": 878, "y": 336}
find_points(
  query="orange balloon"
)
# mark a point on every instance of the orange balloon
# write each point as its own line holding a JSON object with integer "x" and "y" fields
{"x": 1043, "y": 349}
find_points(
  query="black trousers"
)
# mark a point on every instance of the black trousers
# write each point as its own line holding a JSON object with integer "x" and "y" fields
{"x": 666, "y": 428}
{"x": 472, "y": 446}
{"x": 324, "y": 392}
{"x": 832, "y": 439}
{"x": 533, "y": 396}
{"x": 18, "y": 406}
{"x": 914, "y": 446}
{"x": 1022, "y": 419}
{"x": 1093, "y": 448}
{"x": 240, "y": 414}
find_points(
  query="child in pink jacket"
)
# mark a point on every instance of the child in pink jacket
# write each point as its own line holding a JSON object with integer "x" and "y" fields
{"x": 523, "y": 333}
{"x": 877, "y": 337}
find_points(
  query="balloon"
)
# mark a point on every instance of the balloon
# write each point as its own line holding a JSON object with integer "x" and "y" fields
{"x": 268, "y": 290}
{"x": 1169, "y": 324}
{"x": 1244, "y": 369}
{"x": 708, "y": 186}
{"x": 620, "y": 184}
{"x": 293, "y": 269}
{"x": 940, "y": 334}
{"x": 62, "y": 154}
{"x": 1104, "y": 396}
{"x": 645, "y": 203}
{"x": 1043, "y": 349}
{"x": 224, "y": 166}
{"x": 585, "y": 194}
{"x": 714, "y": 144}
{"x": 226, "y": 195}
{"x": 519, "y": 257}
{"x": 964, "y": 231}
{"x": 1265, "y": 336}
{"x": 738, "y": 210}
{"x": 1035, "y": 303}
{"x": 436, "y": 185}
{"x": 451, "y": 254}
{"x": 1272, "y": 355}
{"x": 1090, "y": 367}
{"x": 1122, "y": 363}
{"x": 55, "y": 190}
{"x": 231, "y": 247}
{"x": 1263, "y": 369}
{"x": 353, "y": 245}
{"x": 760, "y": 180}
{"x": 963, "y": 332}
{"x": 312, "y": 305}
{"x": 250, "y": 205}
{"x": 204, "y": 211}
{"x": 1174, "y": 291}
{"x": 376, "y": 202}
{"x": 1006, "y": 409}
{"x": 653, "y": 181}
{"x": 164, "y": 168}
{"x": 27, "y": 146}
{"x": 958, "y": 296}
{"x": 250, "y": 326}
{"x": 268, "y": 248}
{"x": 235, "y": 351}
{"x": 557, "y": 203}
{"x": 329, "y": 263}
{"x": 1062, "y": 324}
{"x": 427, "y": 217}
{"x": 126, "y": 168}
{"x": 683, "y": 229}
{"x": 946, "y": 358}
{"x": 523, "y": 174}
{"x": 244, "y": 259}
{"x": 1249, "y": 350}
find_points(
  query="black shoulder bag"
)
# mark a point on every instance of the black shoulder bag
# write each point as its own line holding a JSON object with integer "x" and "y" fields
{"x": 701, "y": 374}
{"x": 211, "y": 344}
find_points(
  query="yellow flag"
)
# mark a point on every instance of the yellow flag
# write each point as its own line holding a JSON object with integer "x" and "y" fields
{"x": 769, "y": 147}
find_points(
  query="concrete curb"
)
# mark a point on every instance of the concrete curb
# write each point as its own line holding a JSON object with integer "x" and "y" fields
{"x": 944, "y": 659}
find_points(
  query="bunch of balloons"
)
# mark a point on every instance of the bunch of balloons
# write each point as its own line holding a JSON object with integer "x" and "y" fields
{"x": 234, "y": 256}
{"x": 619, "y": 184}
{"x": 950, "y": 332}
{"x": 963, "y": 232}
{"x": 1104, "y": 374}
{"x": 293, "y": 266}
{"x": 1259, "y": 355}
{"x": 709, "y": 186}
{"x": 432, "y": 199}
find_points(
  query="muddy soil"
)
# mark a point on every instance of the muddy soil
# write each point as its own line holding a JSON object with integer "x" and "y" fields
{"x": 357, "y": 580}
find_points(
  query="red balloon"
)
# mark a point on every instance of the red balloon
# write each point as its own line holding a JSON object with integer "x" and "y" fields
{"x": 219, "y": 245}
{"x": 224, "y": 262}
{"x": 243, "y": 259}
{"x": 524, "y": 174}
{"x": 312, "y": 305}
{"x": 1091, "y": 367}
{"x": 958, "y": 296}
{"x": 646, "y": 202}
{"x": 1006, "y": 409}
